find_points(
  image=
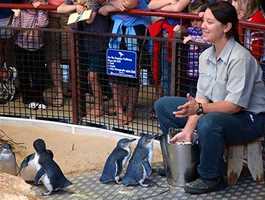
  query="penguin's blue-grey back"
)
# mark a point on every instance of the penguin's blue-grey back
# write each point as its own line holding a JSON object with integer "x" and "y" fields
{"x": 113, "y": 165}
{"x": 134, "y": 172}
{"x": 53, "y": 171}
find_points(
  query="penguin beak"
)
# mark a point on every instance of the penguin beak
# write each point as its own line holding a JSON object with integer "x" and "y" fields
{"x": 132, "y": 140}
{"x": 151, "y": 137}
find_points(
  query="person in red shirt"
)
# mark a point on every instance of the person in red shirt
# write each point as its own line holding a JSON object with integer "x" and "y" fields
{"x": 254, "y": 40}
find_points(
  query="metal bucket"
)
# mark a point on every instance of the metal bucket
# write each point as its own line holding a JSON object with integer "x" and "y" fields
{"x": 179, "y": 160}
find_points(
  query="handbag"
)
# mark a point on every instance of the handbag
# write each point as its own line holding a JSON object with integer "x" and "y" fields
{"x": 7, "y": 83}
{"x": 5, "y": 30}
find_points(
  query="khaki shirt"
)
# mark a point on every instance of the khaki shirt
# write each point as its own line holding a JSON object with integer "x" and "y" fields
{"x": 234, "y": 76}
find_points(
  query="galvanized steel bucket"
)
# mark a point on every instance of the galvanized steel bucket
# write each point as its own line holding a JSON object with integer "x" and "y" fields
{"x": 179, "y": 159}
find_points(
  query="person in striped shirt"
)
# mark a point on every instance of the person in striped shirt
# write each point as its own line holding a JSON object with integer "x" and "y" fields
{"x": 30, "y": 54}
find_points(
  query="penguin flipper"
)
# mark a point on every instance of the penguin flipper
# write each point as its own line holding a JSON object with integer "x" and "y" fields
{"x": 147, "y": 167}
{"x": 38, "y": 176}
{"x": 113, "y": 166}
{"x": 25, "y": 162}
{"x": 109, "y": 173}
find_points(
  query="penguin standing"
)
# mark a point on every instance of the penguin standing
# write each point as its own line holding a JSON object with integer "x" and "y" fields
{"x": 139, "y": 167}
{"x": 117, "y": 161}
{"x": 50, "y": 174}
{"x": 30, "y": 165}
{"x": 8, "y": 162}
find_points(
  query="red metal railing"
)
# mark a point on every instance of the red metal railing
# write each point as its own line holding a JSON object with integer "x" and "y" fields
{"x": 73, "y": 44}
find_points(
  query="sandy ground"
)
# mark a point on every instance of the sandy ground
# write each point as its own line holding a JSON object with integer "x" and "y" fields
{"x": 74, "y": 153}
{"x": 14, "y": 188}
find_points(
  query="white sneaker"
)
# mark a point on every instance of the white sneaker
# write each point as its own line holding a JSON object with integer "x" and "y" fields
{"x": 42, "y": 106}
{"x": 33, "y": 105}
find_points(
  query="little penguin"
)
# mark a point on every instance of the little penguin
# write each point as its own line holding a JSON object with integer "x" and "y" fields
{"x": 30, "y": 165}
{"x": 50, "y": 174}
{"x": 8, "y": 162}
{"x": 140, "y": 167}
{"x": 117, "y": 161}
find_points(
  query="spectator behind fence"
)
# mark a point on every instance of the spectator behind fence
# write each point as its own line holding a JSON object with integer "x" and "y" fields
{"x": 91, "y": 51}
{"x": 195, "y": 44}
{"x": 30, "y": 55}
{"x": 229, "y": 107}
{"x": 5, "y": 34}
{"x": 161, "y": 50}
{"x": 54, "y": 54}
{"x": 253, "y": 39}
{"x": 125, "y": 90}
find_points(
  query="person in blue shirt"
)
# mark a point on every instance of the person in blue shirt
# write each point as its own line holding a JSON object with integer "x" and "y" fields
{"x": 125, "y": 90}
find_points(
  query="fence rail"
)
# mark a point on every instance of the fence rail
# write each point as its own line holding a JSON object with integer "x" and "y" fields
{"x": 61, "y": 73}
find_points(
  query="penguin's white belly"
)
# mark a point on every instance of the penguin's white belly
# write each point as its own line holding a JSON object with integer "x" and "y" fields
{"x": 150, "y": 152}
{"x": 127, "y": 158}
{"x": 46, "y": 182}
{"x": 144, "y": 173}
{"x": 35, "y": 162}
{"x": 28, "y": 173}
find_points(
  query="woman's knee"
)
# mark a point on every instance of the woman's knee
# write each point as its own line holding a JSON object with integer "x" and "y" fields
{"x": 159, "y": 104}
{"x": 208, "y": 122}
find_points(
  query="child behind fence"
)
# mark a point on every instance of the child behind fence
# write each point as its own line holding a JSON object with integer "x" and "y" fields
{"x": 30, "y": 54}
{"x": 253, "y": 40}
{"x": 194, "y": 35}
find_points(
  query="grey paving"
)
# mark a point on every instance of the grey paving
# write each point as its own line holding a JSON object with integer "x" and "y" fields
{"x": 87, "y": 187}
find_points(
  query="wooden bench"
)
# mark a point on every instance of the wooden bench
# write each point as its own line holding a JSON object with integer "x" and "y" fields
{"x": 251, "y": 154}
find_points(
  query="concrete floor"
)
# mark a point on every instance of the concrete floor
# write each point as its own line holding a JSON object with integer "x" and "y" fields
{"x": 87, "y": 187}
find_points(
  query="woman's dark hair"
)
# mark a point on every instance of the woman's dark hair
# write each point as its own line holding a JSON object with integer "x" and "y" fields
{"x": 198, "y": 5}
{"x": 225, "y": 13}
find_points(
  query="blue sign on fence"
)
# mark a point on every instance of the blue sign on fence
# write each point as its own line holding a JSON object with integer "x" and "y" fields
{"x": 121, "y": 63}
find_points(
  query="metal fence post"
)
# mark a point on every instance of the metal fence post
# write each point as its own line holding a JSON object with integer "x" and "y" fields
{"x": 173, "y": 68}
{"x": 73, "y": 68}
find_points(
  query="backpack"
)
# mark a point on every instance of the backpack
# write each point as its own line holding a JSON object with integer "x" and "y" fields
{"x": 7, "y": 83}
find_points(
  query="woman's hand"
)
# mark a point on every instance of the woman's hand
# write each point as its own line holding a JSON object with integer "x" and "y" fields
{"x": 187, "y": 39}
{"x": 16, "y": 12}
{"x": 80, "y": 8}
{"x": 177, "y": 28}
{"x": 120, "y": 4}
{"x": 184, "y": 136}
{"x": 105, "y": 10}
{"x": 188, "y": 108}
{"x": 36, "y": 4}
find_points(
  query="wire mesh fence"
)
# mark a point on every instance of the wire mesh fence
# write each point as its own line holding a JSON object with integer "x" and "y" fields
{"x": 102, "y": 80}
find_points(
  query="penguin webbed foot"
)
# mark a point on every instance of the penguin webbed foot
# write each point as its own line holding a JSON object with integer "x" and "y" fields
{"x": 143, "y": 184}
{"x": 34, "y": 183}
{"x": 46, "y": 193}
{"x": 118, "y": 180}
